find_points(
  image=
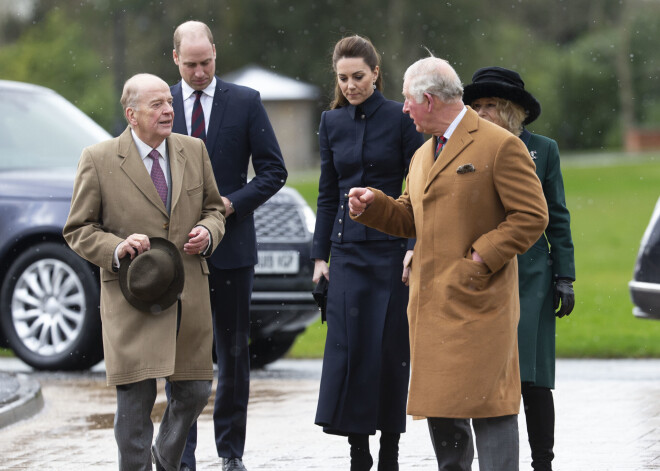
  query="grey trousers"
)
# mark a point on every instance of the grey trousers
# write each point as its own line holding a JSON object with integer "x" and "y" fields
{"x": 496, "y": 437}
{"x": 134, "y": 429}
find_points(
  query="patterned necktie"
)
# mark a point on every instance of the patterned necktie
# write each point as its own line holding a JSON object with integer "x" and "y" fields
{"x": 158, "y": 176}
{"x": 198, "y": 126}
{"x": 441, "y": 143}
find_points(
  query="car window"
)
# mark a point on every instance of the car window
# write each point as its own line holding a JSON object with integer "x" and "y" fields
{"x": 42, "y": 129}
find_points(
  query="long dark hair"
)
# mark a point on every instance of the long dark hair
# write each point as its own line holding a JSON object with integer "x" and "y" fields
{"x": 354, "y": 47}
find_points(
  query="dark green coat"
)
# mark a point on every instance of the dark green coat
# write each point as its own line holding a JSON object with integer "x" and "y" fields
{"x": 549, "y": 258}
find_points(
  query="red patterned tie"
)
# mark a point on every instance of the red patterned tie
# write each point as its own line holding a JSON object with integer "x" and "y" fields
{"x": 441, "y": 143}
{"x": 198, "y": 126}
{"x": 158, "y": 176}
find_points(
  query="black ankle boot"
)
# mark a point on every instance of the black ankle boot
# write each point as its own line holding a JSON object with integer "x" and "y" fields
{"x": 361, "y": 459}
{"x": 388, "y": 455}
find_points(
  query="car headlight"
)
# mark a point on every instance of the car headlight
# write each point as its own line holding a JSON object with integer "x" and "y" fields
{"x": 310, "y": 218}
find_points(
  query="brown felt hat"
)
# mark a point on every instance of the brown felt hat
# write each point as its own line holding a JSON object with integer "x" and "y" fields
{"x": 153, "y": 280}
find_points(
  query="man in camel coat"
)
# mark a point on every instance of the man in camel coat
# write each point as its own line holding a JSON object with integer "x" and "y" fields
{"x": 473, "y": 201}
{"x": 116, "y": 212}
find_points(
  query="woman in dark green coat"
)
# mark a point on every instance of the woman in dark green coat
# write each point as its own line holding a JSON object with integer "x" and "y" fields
{"x": 547, "y": 270}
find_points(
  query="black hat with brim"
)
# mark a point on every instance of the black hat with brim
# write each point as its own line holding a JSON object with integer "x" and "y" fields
{"x": 502, "y": 83}
{"x": 153, "y": 281}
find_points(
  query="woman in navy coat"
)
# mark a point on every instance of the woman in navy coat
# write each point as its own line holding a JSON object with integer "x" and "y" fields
{"x": 365, "y": 140}
{"x": 547, "y": 270}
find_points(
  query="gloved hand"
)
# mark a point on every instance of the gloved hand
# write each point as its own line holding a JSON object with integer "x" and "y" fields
{"x": 564, "y": 293}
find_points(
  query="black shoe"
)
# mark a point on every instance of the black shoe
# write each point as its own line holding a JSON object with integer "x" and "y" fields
{"x": 154, "y": 459}
{"x": 233, "y": 464}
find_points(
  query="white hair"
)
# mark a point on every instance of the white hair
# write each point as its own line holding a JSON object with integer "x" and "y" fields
{"x": 435, "y": 76}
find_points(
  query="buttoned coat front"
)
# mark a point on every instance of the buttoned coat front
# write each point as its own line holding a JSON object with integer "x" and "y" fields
{"x": 481, "y": 194}
{"x": 550, "y": 258}
{"x": 114, "y": 197}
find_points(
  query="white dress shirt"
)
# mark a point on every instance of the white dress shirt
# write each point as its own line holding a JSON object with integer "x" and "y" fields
{"x": 206, "y": 99}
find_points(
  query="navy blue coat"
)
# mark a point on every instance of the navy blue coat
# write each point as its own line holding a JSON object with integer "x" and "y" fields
{"x": 364, "y": 382}
{"x": 376, "y": 157}
{"x": 239, "y": 128}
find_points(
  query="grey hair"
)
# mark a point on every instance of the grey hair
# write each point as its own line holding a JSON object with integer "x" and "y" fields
{"x": 435, "y": 76}
{"x": 130, "y": 95}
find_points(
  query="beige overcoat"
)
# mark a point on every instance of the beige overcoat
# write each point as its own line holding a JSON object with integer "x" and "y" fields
{"x": 483, "y": 194}
{"x": 114, "y": 197}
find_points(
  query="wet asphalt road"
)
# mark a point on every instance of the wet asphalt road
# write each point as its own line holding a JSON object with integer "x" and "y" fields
{"x": 608, "y": 418}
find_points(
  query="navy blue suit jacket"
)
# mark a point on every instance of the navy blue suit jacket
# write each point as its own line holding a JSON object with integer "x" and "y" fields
{"x": 356, "y": 151}
{"x": 238, "y": 128}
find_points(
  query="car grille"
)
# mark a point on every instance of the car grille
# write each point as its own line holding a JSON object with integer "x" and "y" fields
{"x": 277, "y": 222}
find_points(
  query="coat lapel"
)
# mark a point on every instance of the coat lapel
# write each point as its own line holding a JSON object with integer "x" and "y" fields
{"x": 179, "y": 114}
{"x": 135, "y": 170}
{"x": 220, "y": 99}
{"x": 177, "y": 165}
{"x": 459, "y": 140}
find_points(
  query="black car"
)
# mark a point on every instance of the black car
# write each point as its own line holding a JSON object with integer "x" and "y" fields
{"x": 49, "y": 296}
{"x": 645, "y": 285}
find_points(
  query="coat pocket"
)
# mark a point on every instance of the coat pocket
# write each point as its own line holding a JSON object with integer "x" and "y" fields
{"x": 109, "y": 275}
{"x": 195, "y": 190}
{"x": 471, "y": 289}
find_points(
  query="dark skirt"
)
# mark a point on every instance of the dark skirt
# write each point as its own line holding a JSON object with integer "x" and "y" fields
{"x": 366, "y": 363}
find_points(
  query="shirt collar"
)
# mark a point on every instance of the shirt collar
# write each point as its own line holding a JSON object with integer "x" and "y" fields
{"x": 187, "y": 91}
{"x": 454, "y": 124}
{"x": 144, "y": 149}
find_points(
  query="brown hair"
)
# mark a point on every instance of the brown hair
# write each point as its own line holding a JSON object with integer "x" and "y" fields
{"x": 354, "y": 47}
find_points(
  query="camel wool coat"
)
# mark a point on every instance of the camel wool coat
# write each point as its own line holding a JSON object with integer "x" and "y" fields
{"x": 481, "y": 194}
{"x": 114, "y": 197}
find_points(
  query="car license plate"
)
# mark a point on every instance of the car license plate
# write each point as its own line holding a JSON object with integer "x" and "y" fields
{"x": 277, "y": 262}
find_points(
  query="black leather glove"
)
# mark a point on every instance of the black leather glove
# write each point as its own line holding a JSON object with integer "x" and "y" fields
{"x": 564, "y": 293}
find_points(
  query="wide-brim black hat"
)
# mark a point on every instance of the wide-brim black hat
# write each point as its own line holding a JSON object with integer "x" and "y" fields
{"x": 153, "y": 281}
{"x": 502, "y": 83}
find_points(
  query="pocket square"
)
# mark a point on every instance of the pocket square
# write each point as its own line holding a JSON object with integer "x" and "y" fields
{"x": 467, "y": 168}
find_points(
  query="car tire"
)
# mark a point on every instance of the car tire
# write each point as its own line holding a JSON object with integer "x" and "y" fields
{"x": 49, "y": 309}
{"x": 267, "y": 350}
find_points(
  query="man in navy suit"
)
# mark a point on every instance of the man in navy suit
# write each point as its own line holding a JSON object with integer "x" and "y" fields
{"x": 234, "y": 124}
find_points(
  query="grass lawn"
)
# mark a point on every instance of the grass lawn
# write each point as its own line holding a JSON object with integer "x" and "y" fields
{"x": 611, "y": 198}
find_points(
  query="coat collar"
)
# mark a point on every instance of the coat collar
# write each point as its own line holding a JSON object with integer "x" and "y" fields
{"x": 218, "y": 108}
{"x": 220, "y": 99}
{"x": 460, "y": 139}
{"x": 368, "y": 106}
{"x": 134, "y": 168}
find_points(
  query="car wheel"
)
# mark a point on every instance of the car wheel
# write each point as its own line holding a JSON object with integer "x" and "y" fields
{"x": 49, "y": 309}
{"x": 267, "y": 350}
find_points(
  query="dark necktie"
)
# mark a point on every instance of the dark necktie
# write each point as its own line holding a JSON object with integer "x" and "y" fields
{"x": 198, "y": 126}
{"x": 158, "y": 176}
{"x": 441, "y": 143}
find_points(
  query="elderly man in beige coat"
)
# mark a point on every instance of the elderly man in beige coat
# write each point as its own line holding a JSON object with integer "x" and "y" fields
{"x": 116, "y": 211}
{"x": 473, "y": 201}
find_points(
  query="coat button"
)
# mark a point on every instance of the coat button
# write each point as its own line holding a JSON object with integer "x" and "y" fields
{"x": 342, "y": 206}
{"x": 339, "y": 234}
{"x": 345, "y": 195}
{"x": 340, "y": 221}
{"x": 166, "y": 226}
{"x": 362, "y": 117}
